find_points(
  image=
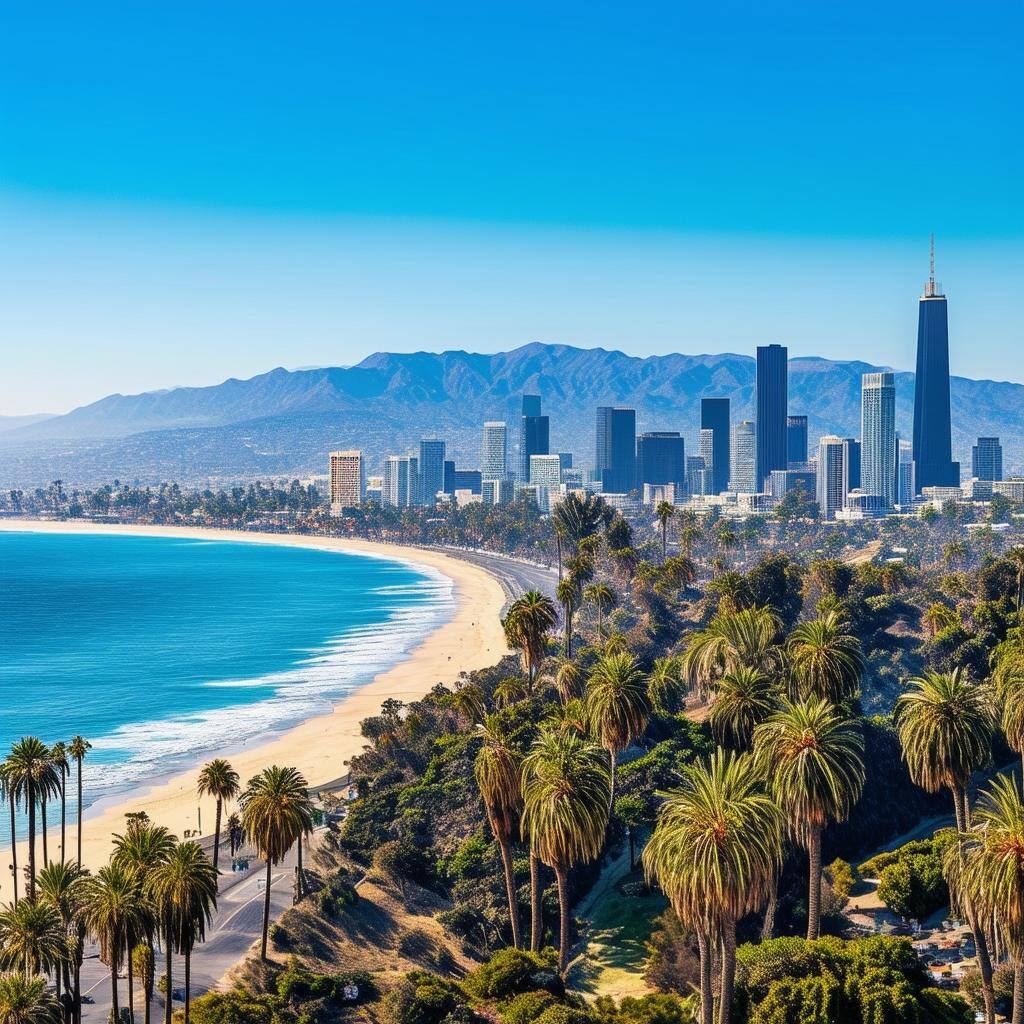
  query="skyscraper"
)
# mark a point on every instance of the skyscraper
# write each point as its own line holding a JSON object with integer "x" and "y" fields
{"x": 933, "y": 446}
{"x": 878, "y": 436}
{"x": 831, "y": 475}
{"x": 615, "y": 449}
{"x": 987, "y": 459}
{"x": 494, "y": 458}
{"x": 347, "y": 480}
{"x": 533, "y": 434}
{"x": 401, "y": 480}
{"x": 905, "y": 489}
{"x": 431, "y": 469}
{"x": 661, "y": 459}
{"x": 851, "y": 463}
{"x": 796, "y": 440}
{"x": 714, "y": 416}
{"x": 771, "y": 400}
{"x": 743, "y": 464}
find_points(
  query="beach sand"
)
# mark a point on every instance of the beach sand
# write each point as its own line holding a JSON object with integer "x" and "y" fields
{"x": 320, "y": 746}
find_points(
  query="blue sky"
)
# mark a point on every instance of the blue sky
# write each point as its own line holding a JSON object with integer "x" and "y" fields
{"x": 191, "y": 191}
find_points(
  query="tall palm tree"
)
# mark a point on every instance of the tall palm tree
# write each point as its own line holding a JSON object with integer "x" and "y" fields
{"x": 498, "y": 770}
{"x": 114, "y": 912}
{"x": 27, "y": 1001}
{"x": 617, "y": 706}
{"x": 576, "y": 517}
{"x": 78, "y": 748}
{"x": 566, "y": 793}
{"x": 276, "y": 811}
{"x": 826, "y": 659}
{"x": 527, "y": 624}
{"x": 9, "y": 789}
{"x": 665, "y": 684}
{"x": 218, "y": 779}
{"x": 664, "y": 512}
{"x": 568, "y": 594}
{"x": 567, "y": 678}
{"x": 31, "y": 938}
{"x": 744, "y": 698}
{"x": 29, "y": 770}
{"x": 184, "y": 893}
{"x": 813, "y": 756}
{"x": 715, "y": 852}
{"x": 603, "y": 598}
{"x": 945, "y": 724}
{"x": 1015, "y": 556}
{"x": 59, "y": 756}
{"x": 62, "y": 886}
{"x": 747, "y": 637}
{"x": 990, "y": 872}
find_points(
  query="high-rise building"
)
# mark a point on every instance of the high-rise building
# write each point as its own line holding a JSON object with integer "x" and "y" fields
{"x": 796, "y": 440}
{"x": 851, "y": 463}
{"x": 743, "y": 464}
{"x": 496, "y": 492}
{"x": 661, "y": 459}
{"x": 933, "y": 446}
{"x": 494, "y": 459}
{"x": 347, "y": 480}
{"x": 771, "y": 401}
{"x": 987, "y": 459}
{"x": 565, "y": 460}
{"x": 401, "y": 481}
{"x": 615, "y": 449}
{"x": 905, "y": 489}
{"x": 831, "y": 480}
{"x": 533, "y": 434}
{"x": 878, "y": 436}
{"x": 431, "y": 469}
{"x": 546, "y": 476}
{"x": 460, "y": 479}
{"x": 697, "y": 476}
{"x": 714, "y": 416}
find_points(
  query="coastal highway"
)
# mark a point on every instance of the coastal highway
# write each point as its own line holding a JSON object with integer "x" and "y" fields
{"x": 515, "y": 575}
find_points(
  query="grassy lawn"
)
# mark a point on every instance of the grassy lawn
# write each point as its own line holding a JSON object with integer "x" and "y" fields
{"x": 614, "y": 948}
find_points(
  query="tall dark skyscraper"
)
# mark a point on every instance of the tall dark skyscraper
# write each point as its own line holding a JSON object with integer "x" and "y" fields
{"x": 796, "y": 439}
{"x": 661, "y": 459}
{"x": 933, "y": 447}
{"x": 987, "y": 459}
{"x": 771, "y": 401}
{"x": 431, "y": 469}
{"x": 533, "y": 434}
{"x": 615, "y": 450}
{"x": 714, "y": 416}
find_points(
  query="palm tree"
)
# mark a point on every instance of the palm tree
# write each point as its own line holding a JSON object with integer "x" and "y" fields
{"x": 218, "y": 779}
{"x": 826, "y": 660}
{"x": 665, "y": 685}
{"x": 813, "y": 756}
{"x": 617, "y": 706}
{"x": 1015, "y": 556}
{"x": 9, "y": 788}
{"x": 715, "y": 852}
{"x": 990, "y": 872}
{"x": 497, "y": 768}
{"x": 30, "y": 772}
{"x": 62, "y": 886}
{"x": 566, "y": 795}
{"x": 603, "y": 598}
{"x": 59, "y": 756}
{"x": 938, "y": 617}
{"x": 664, "y": 512}
{"x": 78, "y": 748}
{"x": 32, "y": 938}
{"x": 184, "y": 892}
{"x": 527, "y": 624}
{"x": 27, "y": 1001}
{"x": 744, "y": 698}
{"x": 1011, "y": 702}
{"x": 276, "y": 811}
{"x": 578, "y": 517}
{"x": 511, "y": 690}
{"x": 748, "y": 637}
{"x": 234, "y": 833}
{"x": 945, "y": 724}
{"x": 567, "y": 678}
{"x": 568, "y": 594}
{"x": 115, "y": 914}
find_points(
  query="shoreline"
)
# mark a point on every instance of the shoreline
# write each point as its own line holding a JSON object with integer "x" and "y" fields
{"x": 472, "y": 638}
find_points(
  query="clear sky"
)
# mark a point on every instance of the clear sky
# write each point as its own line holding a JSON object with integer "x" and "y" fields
{"x": 190, "y": 191}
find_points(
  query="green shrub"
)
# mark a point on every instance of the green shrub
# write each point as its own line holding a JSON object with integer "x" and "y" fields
{"x": 509, "y": 972}
{"x": 421, "y": 998}
{"x": 562, "y": 1014}
{"x": 526, "y": 1007}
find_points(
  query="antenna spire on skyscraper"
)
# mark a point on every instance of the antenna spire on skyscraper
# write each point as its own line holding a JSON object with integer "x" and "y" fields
{"x": 931, "y": 289}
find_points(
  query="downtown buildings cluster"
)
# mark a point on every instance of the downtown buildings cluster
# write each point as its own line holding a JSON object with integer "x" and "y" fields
{"x": 738, "y": 468}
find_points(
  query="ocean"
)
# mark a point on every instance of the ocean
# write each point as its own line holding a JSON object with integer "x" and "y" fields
{"x": 159, "y": 650}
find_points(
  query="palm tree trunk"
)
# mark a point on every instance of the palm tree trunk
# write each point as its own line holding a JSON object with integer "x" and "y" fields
{"x": 31, "y": 801}
{"x": 1018, "y": 994}
{"x": 131, "y": 986}
{"x": 536, "y": 908}
{"x": 562, "y": 880}
{"x": 613, "y": 758}
{"x": 63, "y": 816}
{"x": 558, "y": 548}
{"x": 170, "y": 985}
{"x": 78, "y": 986}
{"x": 14, "y": 846}
{"x": 814, "y": 884}
{"x": 300, "y": 884}
{"x": 216, "y": 838}
{"x": 510, "y": 888}
{"x": 114, "y": 1008}
{"x": 707, "y": 1000}
{"x": 266, "y": 913}
{"x": 600, "y": 626}
{"x": 664, "y": 540}
{"x": 79, "y": 812}
{"x": 728, "y": 973}
{"x": 768, "y": 928}
{"x": 568, "y": 633}
{"x": 188, "y": 981}
{"x": 46, "y": 852}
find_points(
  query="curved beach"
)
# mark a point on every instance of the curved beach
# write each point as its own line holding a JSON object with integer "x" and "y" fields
{"x": 320, "y": 746}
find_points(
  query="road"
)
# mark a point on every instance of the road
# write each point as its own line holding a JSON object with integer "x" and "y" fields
{"x": 514, "y": 575}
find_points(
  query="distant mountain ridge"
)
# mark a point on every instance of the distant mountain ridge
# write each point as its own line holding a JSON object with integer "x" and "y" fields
{"x": 285, "y": 421}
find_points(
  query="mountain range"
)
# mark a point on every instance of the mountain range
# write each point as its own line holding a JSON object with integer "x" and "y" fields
{"x": 283, "y": 423}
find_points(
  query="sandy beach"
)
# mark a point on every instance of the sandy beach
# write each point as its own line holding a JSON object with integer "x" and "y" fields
{"x": 320, "y": 746}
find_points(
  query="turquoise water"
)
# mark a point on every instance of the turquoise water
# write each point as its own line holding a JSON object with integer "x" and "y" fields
{"x": 159, "y": 650}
